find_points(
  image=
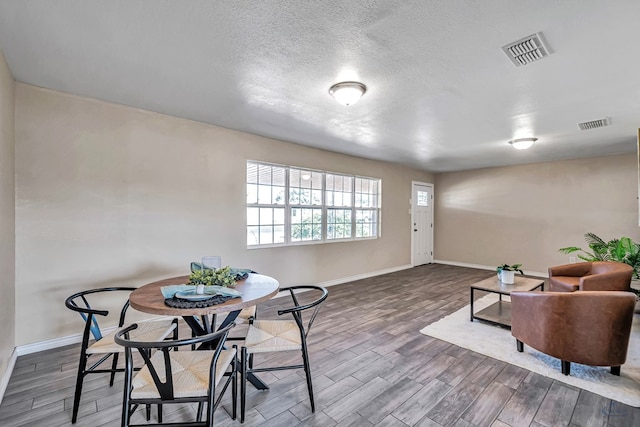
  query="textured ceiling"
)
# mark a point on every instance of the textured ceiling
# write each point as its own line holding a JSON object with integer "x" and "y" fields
{"x": 442, "y": 95}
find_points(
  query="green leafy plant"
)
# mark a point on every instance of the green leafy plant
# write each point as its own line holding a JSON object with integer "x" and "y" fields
{"x": 507, "y": 267}
{"x": 620, "y": 250}
{"x": 208, "y": 277}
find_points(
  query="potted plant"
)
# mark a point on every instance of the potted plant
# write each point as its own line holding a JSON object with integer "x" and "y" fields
{"x": 506, "y": 272}
{"x": 621, "y": 250}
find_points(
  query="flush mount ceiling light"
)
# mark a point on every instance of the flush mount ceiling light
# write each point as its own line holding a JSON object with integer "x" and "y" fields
{"x": 522, "y": 143}
{"x": 347, "y": 93}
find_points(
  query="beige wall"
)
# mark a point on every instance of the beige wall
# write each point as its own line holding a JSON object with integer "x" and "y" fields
{"x": 7, "y": 216}
{"x": 108, "y": 194}
{"x": 523, "y": 214}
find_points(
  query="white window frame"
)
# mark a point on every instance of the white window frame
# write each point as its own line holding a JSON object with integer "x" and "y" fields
{"x": 322, "y": 206}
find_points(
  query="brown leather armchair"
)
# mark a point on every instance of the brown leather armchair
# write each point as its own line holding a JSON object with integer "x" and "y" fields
{"x": 590, "y": 276}
{"x": 591, "y": 327}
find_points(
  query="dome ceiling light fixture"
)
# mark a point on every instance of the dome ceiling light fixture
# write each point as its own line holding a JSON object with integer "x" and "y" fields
{"x": 522, "y": 143}
{"x": 347, "y": 93}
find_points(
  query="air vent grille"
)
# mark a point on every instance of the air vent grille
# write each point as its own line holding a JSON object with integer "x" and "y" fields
{"x": 526, "y": 50}
{"x": 594, "y": 124}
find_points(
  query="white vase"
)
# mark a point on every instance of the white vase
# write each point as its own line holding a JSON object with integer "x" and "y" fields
{"x": 507, "y": 277}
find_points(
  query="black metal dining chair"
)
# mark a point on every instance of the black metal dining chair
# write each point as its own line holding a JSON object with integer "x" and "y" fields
{"x": 104, "y": 348}
{"x": 184, "y": 376}
{"x": 268, "y": 336}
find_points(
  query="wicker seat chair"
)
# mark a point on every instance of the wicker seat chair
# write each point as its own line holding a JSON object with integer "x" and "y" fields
{"x": 268, "y": 336}
{"x": 173, "y": 377}
{"x": 104, "y": 348}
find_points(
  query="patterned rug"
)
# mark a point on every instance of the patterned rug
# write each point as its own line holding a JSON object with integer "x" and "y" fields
{"x": 498, "y": 343}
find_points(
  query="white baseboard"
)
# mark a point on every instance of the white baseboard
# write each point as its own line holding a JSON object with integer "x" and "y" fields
{"x": 487, "y": 267}
{"x": 7, "y": 373}
{"x": 35, "y": 347}
{"x": 363, "y": 276}
{"x": 62, "y": 341}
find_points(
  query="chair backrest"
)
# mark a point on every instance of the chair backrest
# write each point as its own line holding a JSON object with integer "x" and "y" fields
{"x": 299, "y": 308}
{"x": 79, "y": 303}
{"x": 165, "y": 388}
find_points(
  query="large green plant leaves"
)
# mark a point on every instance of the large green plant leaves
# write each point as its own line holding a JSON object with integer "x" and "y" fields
{"x": 621, "y": 250}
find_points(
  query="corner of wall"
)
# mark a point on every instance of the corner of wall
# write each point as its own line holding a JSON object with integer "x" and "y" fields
{"x": 7, "y": 223}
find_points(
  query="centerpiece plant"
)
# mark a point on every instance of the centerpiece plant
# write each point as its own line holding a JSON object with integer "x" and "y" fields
{"x": 507, "y": 271}
{"x": 208, "y": 277}
{"x": 507, "y": 267}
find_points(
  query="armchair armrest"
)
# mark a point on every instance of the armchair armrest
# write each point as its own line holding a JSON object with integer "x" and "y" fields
{"x": 575, "y": 270}
{"x": 535, "y": 317}
{"x": 613, "y": 281}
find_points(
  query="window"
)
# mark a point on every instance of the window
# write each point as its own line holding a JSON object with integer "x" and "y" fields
{"x": 339, "y": 193}
{"x": 289, "y": 205}
{"x": 423, "y": 198}
{"x": 266, "y": 189}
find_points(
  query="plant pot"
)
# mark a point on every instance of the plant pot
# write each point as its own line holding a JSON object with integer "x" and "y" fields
{"x": 507, "y": 277}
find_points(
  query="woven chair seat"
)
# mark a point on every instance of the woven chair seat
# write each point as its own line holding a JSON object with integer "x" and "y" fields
{"x": 266, "y": 336}
{"x": 246, "y": 314}
{"x": 190, "y": 371}
{"x": 147, "y": 331}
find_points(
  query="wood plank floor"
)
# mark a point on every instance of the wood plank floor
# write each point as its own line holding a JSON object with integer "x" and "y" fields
{"x": 370, "y": 364}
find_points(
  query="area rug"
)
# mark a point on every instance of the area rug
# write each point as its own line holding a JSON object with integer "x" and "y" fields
{"x": 498, "y": 343}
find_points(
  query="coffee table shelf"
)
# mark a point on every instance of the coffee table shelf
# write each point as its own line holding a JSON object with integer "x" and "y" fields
{"x": 499, "y": 313}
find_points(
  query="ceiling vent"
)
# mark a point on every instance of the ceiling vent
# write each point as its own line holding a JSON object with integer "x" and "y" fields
{"x": 594, "y": 124}
{"x": 526, "y": 50}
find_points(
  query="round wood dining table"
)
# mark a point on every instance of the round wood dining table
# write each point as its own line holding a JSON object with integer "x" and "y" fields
{"x": 256, "y": 288}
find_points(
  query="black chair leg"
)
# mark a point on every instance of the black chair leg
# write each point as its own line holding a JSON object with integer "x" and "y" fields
{"x": 234, "y": 385}
{"x": 126, "y": 411}
{"x": 114, "y": 366}
{"x": 615, "y": 370}
{"x": 307, "y": 371}
{"x": 199, "y": 413}
{"x": 566, "y": 367}
{"x": 519, "y": 346}
{"x": 79, "y": 379}
{"x": 243, "y": 382}
{"x": 159, "y": 413}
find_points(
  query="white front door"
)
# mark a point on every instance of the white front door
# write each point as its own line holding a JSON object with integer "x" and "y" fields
{"x": 422, "y": 223}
